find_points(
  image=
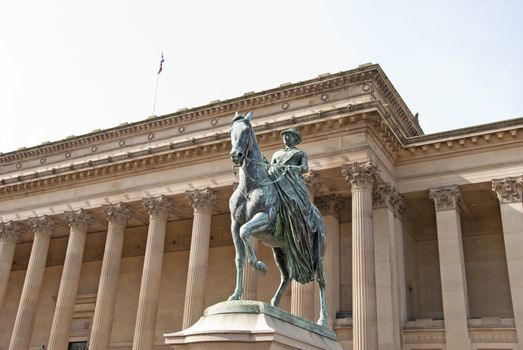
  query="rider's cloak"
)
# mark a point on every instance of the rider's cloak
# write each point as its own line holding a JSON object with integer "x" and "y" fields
{"x": 298, "y": 220}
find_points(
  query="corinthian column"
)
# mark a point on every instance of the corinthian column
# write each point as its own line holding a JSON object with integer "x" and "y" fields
{"x": 43, "y": 229}
{"x": 63, "y": 314}
{"x": 203, "y": 202}
{"x": 10, "y": 232}
{"x": 386, "y": 202}
{"x": 302, "y": 295}
{"x": 509, "y": 191}
{"x": 452, "y": 266}
{"x": 158, "y": 209}
{"x": 117, "y": 215}
{"x": 361, "y": 177}
{"x": 330, "y": 207}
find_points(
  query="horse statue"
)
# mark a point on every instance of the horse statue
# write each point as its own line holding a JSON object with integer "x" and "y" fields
{"x": 271, "y": 204}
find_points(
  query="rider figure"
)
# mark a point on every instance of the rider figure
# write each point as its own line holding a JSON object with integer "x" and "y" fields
{"x": 295, "y": 223}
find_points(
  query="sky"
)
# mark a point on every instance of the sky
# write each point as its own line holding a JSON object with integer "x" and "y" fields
{"x": 70, "y": 67}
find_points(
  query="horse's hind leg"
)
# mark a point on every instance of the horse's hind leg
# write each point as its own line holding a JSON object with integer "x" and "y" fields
{"x": 320, "y": 277}
{"x": 279, "y": 257}
{"x": 240, "y": 257}
{"x": 258, "y": 223}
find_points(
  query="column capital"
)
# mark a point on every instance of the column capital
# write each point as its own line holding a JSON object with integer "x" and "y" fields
{"x": 386, "y": 196}
{"x": 312, "y": 180}
{"x": 204, "y": 199}
{"x": 117, "y": 213}
{"x": 43, "y": 225}
{"x": 78, "y": 218}
{"x": 158, "y": 206}
{"x": 329, "y": 204}
{"x": 509, "y": 189}
{"x": 11, "y": 231}
{"x": 360, "y": 176}
{"x": 446, "y": 197}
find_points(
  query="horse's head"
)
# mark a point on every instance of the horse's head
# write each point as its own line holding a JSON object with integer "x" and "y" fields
{"x": 240, "y": 132}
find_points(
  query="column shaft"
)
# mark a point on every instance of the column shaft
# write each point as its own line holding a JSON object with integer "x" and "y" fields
{"x": 63, "y": 315}
{"x": 364, "y": 317}
{"x": 9, "y": 234}
{"x": 509, "y": 192}
{"x": 452, "y": 267}
{"x": 332, "y": 267}
{"x": 203, "y": 202}
{"x": 23, "y": 328}
{"x": 150, "y": 286}
{"x": 362, "y": 177}
{"x": 387, "y": 297}
{"x": 106, "y": 297}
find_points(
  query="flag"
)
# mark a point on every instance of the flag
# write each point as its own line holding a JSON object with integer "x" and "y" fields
{"x": 161, "y": 64}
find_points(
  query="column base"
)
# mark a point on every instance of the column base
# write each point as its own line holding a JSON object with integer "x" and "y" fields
{"x": 251, "y": 325}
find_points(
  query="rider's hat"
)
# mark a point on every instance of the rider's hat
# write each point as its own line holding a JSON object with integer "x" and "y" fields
{"x": 293, "y": 131}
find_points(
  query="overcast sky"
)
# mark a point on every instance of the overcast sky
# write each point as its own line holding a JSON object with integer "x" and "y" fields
{"x": 69, "y": 67}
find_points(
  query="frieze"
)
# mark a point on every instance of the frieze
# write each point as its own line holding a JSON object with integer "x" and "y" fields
{"x": 509, "y": 190}
{"x": 360, "y": 176}
{"x": 446, "y": 197}
{"x": 313, "y": 86}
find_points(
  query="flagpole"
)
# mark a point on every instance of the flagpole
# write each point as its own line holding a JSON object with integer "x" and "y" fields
{"x": 156, "y": 93}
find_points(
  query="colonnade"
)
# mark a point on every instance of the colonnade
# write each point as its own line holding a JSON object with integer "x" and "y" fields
{"x": 379, "y": 295}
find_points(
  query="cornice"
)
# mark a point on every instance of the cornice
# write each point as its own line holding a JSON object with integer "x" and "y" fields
{"x": 317, "y": 85}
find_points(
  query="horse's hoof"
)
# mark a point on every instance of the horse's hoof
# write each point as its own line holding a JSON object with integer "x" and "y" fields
{"x": 275, "y": 302}
{"x": 260, "y": 267}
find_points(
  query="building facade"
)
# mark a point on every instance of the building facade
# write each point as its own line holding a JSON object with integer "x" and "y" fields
{"x": 116, "y": 237}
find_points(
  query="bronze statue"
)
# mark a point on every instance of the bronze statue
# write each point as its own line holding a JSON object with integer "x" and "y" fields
{"x": 271, "y": 203}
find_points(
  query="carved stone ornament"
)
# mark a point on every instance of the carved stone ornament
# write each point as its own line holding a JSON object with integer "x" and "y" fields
{"x": 117, "y": 213}
{"x": 158, "y": 206}
{"x": 360, "y": 176}
{"x": 11, "y": 231}
{"x": 509, "y": 190}
{"x": 446, "y": 197}
{"x": 42, "y": 225}
{"x": 329, "y": 205}
{"x": 205, "y": 199}
{"x": 79, "y": 218}
{"x": 386, "y": 196}
{"x": 312, "y": 180}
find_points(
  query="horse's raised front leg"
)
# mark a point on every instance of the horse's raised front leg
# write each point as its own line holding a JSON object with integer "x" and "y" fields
{"x": 258, "y": 223}
{"x": 279, "y": 257}
{"x": 320, "y": 277}
{"x": 240, "y": 255}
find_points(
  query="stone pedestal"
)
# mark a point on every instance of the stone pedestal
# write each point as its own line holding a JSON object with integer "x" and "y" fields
{"x": 251, "y": 325}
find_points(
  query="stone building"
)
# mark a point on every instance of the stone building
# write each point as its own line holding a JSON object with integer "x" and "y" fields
{"x": 121, "y": 235}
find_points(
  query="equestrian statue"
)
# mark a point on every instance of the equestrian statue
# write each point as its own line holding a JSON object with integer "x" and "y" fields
{"x": 271, "y": 204}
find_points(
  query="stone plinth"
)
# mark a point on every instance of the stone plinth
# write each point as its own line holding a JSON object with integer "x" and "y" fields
{"x": 251, "y": 325}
